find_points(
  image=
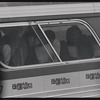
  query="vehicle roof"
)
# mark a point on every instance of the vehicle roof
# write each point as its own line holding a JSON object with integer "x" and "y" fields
{"x": 4, "y": 4}
{"x": 23, "y": 11}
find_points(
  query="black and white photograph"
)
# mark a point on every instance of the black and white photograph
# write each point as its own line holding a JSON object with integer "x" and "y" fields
{"x": 49, "y": 49}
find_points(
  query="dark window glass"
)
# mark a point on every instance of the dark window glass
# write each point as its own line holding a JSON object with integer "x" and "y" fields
{"x": 22, "y": 45}
{"x": 74, "y": 41}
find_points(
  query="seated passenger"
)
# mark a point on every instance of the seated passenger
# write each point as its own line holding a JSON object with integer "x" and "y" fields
{"x": 79, "y": 46}
{"x": 45, "y": 56}
{"x": 55, "y": 42}
{"x": 13, "y": 48}
{"x": 31, "y": 58}
{"x": 5, "y": 49}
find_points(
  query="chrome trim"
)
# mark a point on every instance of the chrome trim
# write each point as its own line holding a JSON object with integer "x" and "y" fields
{"x": 14, "y": 24}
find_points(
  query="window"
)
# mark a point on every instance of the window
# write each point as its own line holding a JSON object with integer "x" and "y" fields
{"x": 76, "y": 42}
{"x": 46, "y": 42}
{"x": 24, "y": 45}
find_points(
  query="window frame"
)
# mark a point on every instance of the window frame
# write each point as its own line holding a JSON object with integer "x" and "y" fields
{"x": 25, "y": 66}
{"x": 39, "y": 23}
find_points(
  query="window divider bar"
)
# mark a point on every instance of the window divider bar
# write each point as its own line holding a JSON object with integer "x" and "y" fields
{"x": 42, "y": 43}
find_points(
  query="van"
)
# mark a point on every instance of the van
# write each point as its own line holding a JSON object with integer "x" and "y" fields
{"x": 51, "y": 75}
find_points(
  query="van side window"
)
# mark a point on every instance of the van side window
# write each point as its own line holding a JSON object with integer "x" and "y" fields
{"x": 76, "y": 41}
{"x": 21, "y": 46}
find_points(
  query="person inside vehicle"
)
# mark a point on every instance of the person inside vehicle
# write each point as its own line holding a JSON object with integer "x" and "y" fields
{"x": 60, "y": 46}
{"x": 78, "y": 44}
{"x": 44, "y": 52}
{"x": 32, "y": 57}
{"x": 5, "y": 51}
{"x": 13, "y": 46}
{"x": 55, "y": 42}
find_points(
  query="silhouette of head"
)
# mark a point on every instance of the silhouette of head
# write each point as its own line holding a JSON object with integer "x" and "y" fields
{"x": 50, "y": 34}
{"x": 73, "y": 35}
